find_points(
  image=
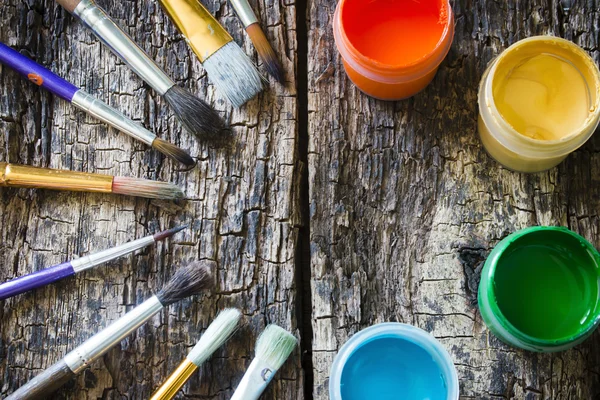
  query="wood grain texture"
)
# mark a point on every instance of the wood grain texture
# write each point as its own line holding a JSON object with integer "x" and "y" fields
{"x": 405, "y": 204}
{"x": 242, "y": 206}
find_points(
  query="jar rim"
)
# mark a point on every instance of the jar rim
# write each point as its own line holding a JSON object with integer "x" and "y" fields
{"x": 524, "y": 145}
{"x": 387, "y": 73}
{"x": 489, "y": 294}
{"x": 403, "y": 331}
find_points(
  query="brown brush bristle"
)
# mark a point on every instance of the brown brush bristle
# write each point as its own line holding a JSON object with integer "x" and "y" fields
{"x": 266, "y": 52}
{"x": 169, "y": 232}
{"x": 187, "y": 281}
{"x": 174, "y": 152}
{"x": 146, "y": 188}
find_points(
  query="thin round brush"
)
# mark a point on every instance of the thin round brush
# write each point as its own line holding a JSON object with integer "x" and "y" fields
{"x": 226, "y": 64}
{"x": 69, "y": 268}
{"x": 187, "y": 281}
{"x": 273, "y": 347}
{"x": 262, "y": 45}
{"x": 218, "y": 332}
{"x": 194, "y": 114}
{"x": 86, "y": 102}
{"x": 13, "y": 175}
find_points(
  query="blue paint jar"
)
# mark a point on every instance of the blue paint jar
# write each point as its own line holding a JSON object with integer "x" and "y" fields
{"x": 393, "y": 361}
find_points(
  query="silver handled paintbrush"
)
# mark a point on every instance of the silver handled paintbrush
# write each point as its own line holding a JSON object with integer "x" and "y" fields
{"x": 262, "y": 45}
{"x": 273, "y": 347}
{"x": 197, "y": 116}
{"x": 55, "y": 273}
{"x": 218, "y": 332}
{"x": 187, "y": 281}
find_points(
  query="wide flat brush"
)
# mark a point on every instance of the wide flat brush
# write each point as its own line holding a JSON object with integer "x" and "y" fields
{"x": 187, "y": 281}
{"x": 86, "y": 102}
{"x": 14, "y": 175}
{"x": 69, "y": 268}
{"x": 258, "y": 37}
{"x": 226, "y": 64}
{"x": 217, "y": 333}
{"x": 273, "y": 347}
{"x": 194, "y": 114}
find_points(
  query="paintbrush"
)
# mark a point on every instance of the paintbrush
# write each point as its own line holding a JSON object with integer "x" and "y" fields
{"x": 197, "y": 116}
{"x": 273, "y": 347}
{"x": 264, "y": 49}
{"x": 218, "y": 332}
{"x": 86, "y": 102}
{"x": 226, "y": 64}
{"x": 14, "y": 175}
{"x": 187, "y": 281}
{"x": 52, "y": 274}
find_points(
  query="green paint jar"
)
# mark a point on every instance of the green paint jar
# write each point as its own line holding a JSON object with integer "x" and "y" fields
{"x": 539, "y": 289}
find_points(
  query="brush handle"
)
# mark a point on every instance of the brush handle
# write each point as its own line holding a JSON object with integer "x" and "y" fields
{"x": 255, "y": 380}
{"x": 44, "y": 384}
{"x": 35, "y": 280}
{"x": 36, "y": 73}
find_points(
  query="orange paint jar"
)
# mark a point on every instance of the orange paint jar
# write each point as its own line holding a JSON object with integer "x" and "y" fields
{"x": 391, "y": 49}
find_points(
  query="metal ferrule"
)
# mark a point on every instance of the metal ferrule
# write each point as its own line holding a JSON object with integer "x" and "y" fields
{"x": 100, "y": 343}
{"x": 112, "y": 117}
{"x": 175, "y": 381}
{"x": 122, "y": 45}
{"x": 255, "y": 380}
{"x": 83, "y": 263}
{"x": 45, "y": 178}
{"x": 244, "y": 12}
{"x": 200, "y": 29}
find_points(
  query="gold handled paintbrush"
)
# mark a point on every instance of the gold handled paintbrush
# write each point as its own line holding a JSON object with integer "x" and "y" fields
{"x": 226, "y": 64}
{"x": 219, "y": 331}
{"x": 187, "y": 281}
{"x": 262, "y": 45}
{"x": 14, "y": 175}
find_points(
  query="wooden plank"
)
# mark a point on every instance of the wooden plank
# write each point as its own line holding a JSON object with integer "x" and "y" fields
{"x": 242, "y": 207}
{"x": 405, "y": 204}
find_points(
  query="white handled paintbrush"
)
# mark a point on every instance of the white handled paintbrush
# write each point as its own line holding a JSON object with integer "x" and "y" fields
{"x": 273, "y": 347}
{"x": 218, "y": 332}
{"x": 187, "y": 281}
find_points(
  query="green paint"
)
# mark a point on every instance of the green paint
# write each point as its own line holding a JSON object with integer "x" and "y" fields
{"x": 546, "y": 283}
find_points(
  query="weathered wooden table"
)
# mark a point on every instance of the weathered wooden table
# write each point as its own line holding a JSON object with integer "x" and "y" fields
{"x": 333, "y": 211}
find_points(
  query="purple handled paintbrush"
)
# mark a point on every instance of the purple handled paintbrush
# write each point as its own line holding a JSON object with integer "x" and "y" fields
{"x": 86, "y": 102}
{"x": 69, "y": 268}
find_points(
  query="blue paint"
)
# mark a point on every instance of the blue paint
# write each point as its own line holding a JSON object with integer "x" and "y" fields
{"x": 392, "y": 368}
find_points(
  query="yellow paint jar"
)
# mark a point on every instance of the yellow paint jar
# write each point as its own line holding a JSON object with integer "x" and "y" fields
{"x": 538, "y": 101}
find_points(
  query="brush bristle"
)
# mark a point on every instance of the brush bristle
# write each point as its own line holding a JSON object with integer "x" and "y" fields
{"x": 217, "y": 333}
{"x": 172, "y": 151}
{"x": 195, "y": 115}
{"x": 168, "y": 233}
{"x": 274, "y": 345}
{"x": 187, "y": 281}
{"x": 146, "y": 188}
{"x": 234, "y": 75}
{"x": 266, "y": 52}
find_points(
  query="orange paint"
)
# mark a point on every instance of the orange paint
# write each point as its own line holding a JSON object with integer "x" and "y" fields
{"x": 392, "y": 48}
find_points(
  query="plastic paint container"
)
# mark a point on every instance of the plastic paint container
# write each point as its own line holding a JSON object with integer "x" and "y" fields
{"x": 390, "y": 361}
{"x": 538, "y": 101}
{"x": 392, "y": 49}
{"x": 539, "y": 289}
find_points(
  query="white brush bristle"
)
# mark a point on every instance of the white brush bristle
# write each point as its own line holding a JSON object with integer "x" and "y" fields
{"x": 216, "y": 334}
{"x": 234, "y": 74}
{"x": 146, "y": 188}
{"x": 274, "y": 345}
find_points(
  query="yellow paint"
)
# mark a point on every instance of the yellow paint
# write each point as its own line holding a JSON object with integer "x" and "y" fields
{"x": 538, "y": 101}
{"x": 543, "y": 96}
